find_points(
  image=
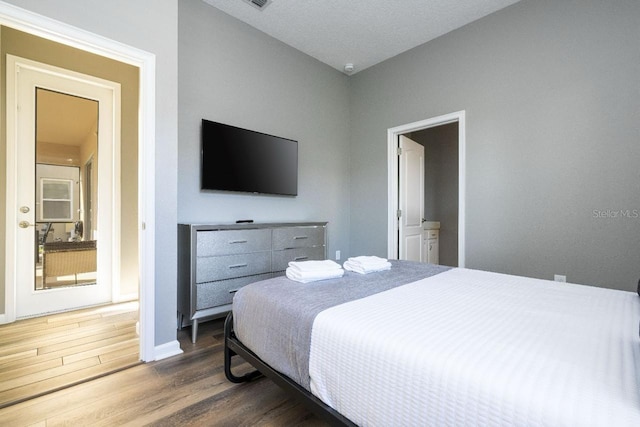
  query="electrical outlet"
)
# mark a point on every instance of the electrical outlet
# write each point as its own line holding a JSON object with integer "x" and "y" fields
{"x": 337, "y": 255}
{"x": 559, "y": 278}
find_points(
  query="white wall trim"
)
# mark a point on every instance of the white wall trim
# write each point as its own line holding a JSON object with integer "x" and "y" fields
{"x": 166, "y": 350}
{"x": 392, "y": 178}
{"x": 29, "y": 22}
{"x": 10, "y": 258}
{"x": 133, "y": 296}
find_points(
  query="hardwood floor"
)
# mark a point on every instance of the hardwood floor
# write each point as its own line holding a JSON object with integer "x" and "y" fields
{"x": 185, "y": 390}
{"x": 44, "y": 354}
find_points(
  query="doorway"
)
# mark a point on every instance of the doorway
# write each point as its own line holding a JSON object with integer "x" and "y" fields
{"x": 52, "y": 31}
{"x": 47, "y": 196}
{"x": 440, "y": 180}
{"x": 394, "y": 191}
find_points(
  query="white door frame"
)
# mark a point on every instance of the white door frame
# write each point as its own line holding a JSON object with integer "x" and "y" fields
{"x": 392, "y": 178}
{"x": 41, "y": 26}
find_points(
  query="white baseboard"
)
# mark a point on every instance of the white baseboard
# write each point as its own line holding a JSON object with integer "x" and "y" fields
{"x": 3, "y": 319}
{"x": 162, "y": 351}
{"x": 126, "y": 297}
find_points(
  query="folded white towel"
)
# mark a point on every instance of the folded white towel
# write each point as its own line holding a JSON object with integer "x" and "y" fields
{"x": 372, "y": 260}
{"x": 323, "y": 265}
{"x": 312, "y": 276}
{"x": 365, "y": 269}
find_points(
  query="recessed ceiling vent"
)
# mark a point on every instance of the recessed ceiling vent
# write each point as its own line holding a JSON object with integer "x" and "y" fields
{"x": 258, "y": 4}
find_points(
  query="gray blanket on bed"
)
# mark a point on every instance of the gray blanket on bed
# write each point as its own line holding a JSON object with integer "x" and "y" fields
{"x": 274, "y": 317}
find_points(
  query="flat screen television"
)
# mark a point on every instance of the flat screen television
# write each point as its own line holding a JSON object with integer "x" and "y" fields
{"x": 242, "y": 160}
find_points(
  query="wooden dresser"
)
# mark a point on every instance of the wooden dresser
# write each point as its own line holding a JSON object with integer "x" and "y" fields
{"x": 215, "y": 260}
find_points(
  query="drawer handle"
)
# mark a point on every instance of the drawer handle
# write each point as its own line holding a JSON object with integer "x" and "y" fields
{"x": 237, "y": 265}
{"x": 300, "y": 237}
{"x": 233, "y": 291}
{"x": 299, "y": 258}
{"x": 237, "y": 241}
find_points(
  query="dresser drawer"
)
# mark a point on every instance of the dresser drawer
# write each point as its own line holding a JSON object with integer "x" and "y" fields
{"x": 281, "y": 259}
{"x": 297, "y": 237}
{"x": 229, "y": 266}
{"x": 214, "y": 294}
{"x": 431, "y": 234}
{"x": 227, "y": 242}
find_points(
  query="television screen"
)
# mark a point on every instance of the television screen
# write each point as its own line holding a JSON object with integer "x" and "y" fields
{"x": 235, "y": 159}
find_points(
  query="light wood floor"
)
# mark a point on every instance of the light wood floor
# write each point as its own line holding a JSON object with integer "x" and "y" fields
{"x": 44, "y": 354}
{"x": 185, "y": 390}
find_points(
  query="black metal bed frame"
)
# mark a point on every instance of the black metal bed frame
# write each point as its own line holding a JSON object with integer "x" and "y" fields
{"x": 233, "y": 347}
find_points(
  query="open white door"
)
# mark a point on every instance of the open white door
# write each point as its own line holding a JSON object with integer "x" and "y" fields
{"x": 411, "y": 199}
{"x": 24, "y": 79}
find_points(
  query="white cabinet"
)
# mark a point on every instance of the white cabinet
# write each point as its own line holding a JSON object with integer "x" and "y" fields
{"x": 431, "y": 243}
{"x": 432, "y": 246}
{"x": 214, "y": 261}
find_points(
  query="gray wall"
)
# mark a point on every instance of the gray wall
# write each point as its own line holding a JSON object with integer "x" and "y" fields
{"x": 441, "y": 185}
{"x": 234, "y": 74}
{"x": 552, "y": 104}
{"x": 129, "y": 22}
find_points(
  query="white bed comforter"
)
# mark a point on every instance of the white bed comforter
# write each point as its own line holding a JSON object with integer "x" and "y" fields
{"x": 473, "y": 348}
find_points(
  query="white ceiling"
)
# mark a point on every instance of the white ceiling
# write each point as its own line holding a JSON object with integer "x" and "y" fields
{"x": 361, "y": 32}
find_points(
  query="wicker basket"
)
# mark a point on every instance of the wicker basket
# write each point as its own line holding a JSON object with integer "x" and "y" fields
{"x": 65, "y": 258}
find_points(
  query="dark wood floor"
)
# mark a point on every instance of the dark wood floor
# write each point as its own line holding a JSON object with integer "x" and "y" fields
{"x": 47, "y": 353}
{"x": 185, "y": 390}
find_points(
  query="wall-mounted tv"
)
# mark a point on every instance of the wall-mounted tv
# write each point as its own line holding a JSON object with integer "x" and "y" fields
{"x": 242, "y": 160}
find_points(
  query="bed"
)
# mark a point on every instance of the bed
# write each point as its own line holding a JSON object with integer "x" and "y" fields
{"x": 421, "y": 344}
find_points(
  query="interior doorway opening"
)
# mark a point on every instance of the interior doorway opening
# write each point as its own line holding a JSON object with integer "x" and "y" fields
{"x": 440, "y": 192}
{"x": 394, "y": 190}
{"x": 144, "y": 62}
{"x": 44, "y": 194}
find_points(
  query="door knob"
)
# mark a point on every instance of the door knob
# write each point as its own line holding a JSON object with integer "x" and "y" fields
{"x": 24, "y": 209}
{"x": 25, "y": 224}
